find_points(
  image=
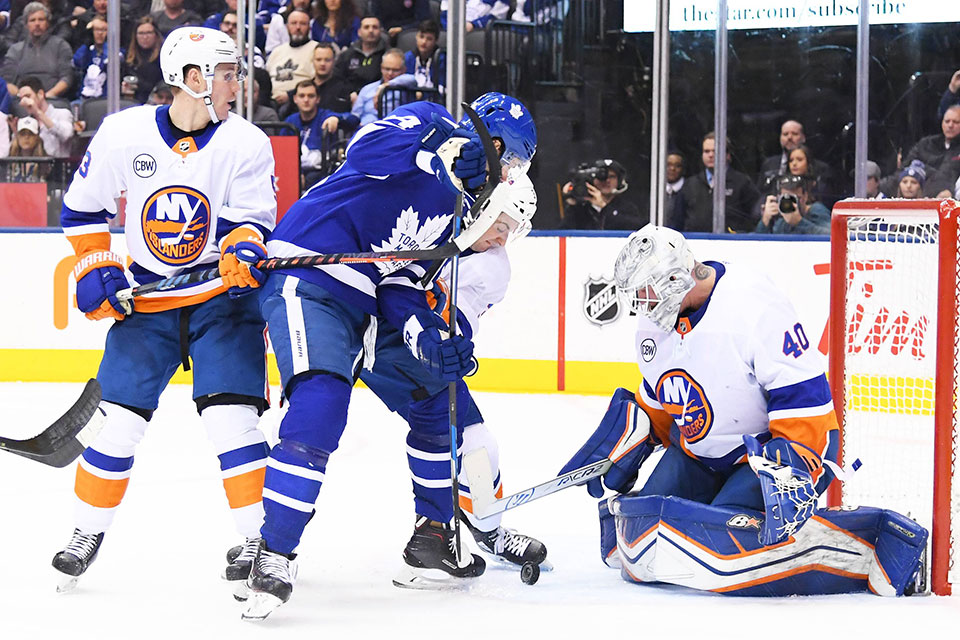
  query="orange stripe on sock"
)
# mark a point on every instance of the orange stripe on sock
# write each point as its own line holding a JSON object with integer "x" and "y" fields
{"x": 245, "y": 489}
{"x": 99, "y": 492}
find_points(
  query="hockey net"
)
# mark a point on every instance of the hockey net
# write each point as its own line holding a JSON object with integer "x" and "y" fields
{"x": 893, "y": 364}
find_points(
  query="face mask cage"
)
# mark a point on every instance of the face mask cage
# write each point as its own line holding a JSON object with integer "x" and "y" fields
{"x": 652, "y": 284}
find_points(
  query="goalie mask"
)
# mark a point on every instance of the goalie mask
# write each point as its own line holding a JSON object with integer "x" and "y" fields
{"x": 653, "y": 274}
{"x": 199, "y": 47}
{"x": 509, "y": 120}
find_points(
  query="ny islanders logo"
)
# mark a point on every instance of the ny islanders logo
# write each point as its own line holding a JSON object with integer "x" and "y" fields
{"x": 683, "y": 398}
{"x": 176, "y": 224}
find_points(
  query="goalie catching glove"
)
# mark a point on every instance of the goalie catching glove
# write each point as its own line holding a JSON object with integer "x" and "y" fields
{"x": 447, "y": 358}
{"x": 459, "y": 160}
{"x": 99, "y": 275}
{"x": 240, "y": 251}
{"x": 623, "y": 438}
{"x": 789, "y": 498}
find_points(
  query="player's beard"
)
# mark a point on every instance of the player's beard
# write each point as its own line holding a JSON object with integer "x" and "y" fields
{"x": 299, "y": 41}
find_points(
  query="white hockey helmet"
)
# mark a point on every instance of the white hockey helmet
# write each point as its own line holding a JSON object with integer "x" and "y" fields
{"x": 653, "y": 274}
{"x": 519, "y": 201}
{"x": 201, "y": 47}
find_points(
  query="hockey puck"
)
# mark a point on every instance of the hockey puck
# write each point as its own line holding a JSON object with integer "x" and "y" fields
{"x": 530, "y": 573}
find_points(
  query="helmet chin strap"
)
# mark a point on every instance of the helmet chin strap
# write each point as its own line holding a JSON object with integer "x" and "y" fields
{"x": 204, "y": 96}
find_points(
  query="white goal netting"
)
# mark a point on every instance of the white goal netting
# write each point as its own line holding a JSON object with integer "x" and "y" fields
{"x": 890, "y": 369}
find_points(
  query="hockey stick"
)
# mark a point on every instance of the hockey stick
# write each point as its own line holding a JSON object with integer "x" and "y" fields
{"x": 476, "y": 464}
{"x": 59, "y": 444}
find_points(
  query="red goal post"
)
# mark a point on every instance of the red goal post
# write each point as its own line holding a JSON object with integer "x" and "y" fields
{"x": 894, "y": 283}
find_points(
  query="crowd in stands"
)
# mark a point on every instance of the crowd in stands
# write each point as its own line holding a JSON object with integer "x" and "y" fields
{"x": 319, "y": 65}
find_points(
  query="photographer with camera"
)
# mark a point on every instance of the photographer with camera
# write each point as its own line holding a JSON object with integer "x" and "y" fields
{"x": 593, "y": 199}
{"x": 791, "y": 211}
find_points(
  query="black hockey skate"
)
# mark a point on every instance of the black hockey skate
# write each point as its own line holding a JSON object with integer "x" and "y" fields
{"x": 239, "y": 561}
{"x": 508, "y": 546}
{"x": 79, "y": 554}
{"x": 270, "y": 583}
{"x": 430, "y": 559}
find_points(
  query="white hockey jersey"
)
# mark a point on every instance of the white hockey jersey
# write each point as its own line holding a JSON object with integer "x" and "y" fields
{"x": 183, "y": 195}
{"x": 482, "y": 282}
{"x": 741, "y": 364}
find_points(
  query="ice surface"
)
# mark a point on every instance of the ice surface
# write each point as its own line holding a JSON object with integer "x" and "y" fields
{"x": 158, "y": 571}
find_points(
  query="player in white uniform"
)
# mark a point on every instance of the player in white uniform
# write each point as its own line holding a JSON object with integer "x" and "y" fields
{"x": 198, "y": 182}
{"x": 734, "y": 390}
{"x": 421, "y": 398}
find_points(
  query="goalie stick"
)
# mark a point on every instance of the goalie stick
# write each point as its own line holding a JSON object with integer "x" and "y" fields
{"x": 59, "y": 444}
{"x": 449, "y": 249}
{"x": 476, "y": 465}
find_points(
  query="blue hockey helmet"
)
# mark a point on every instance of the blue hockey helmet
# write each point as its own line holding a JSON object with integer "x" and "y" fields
{"x": 508, "y": 119}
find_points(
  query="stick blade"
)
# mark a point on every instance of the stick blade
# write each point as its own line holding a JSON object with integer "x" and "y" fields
{"x": 62, "y": 442}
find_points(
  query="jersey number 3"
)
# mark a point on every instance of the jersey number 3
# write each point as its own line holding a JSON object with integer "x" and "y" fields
{"x": 796, "y": 343}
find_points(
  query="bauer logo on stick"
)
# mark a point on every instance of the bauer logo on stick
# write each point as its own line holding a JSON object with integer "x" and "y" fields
{"x": 176, "y": 224}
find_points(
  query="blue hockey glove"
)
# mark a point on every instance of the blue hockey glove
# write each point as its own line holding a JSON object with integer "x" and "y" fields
{"x": 789, "y": 497}
{"x": 623, "y": 438}
{"x": 99, "y": 275}
{"x": 449, "y": 359}
{"x": 459, "y": 159}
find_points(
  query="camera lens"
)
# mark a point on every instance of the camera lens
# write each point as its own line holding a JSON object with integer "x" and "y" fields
{"x": 787, "y": 203}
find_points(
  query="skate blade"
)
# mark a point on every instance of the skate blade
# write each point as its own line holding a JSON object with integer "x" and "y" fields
{"x": 503, "y": 563}
{"x": 67, "y": 583}
{"x": 260, "y": 605}
{"x": 429, "y": 579}
{"x": 241, "y": 591}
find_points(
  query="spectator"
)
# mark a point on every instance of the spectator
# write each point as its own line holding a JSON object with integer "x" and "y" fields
{"x": 141, "y": 68}
{"x": 792, "y": 136}
{"x": 27, "y": 144}
{"x": 228, "y": 25}
{"x": 594, "y": 201}
{"x": 392, "y": 73}
{"x": 332, "y": 91}
{"x": 80, "y": 33}
{"x": 161, "y": 94}
{"x": 291, "y": 63}
{"x": 4, "y": 134}
{"x": 427, "y": 62}
{"x": 791, "y": 212}
{"x": 336, "y": 21}
{"x": 58, "y": 25}
{"x": 951, "y": 96}
{"x": 56, "y": 125}
{"x": 216, "y": 21}
{"x": 90, "y": 62}
{"x": 277, "y": 29}
{"x": 315, "y": 125}
{"x": 940, "y": 155}
{"x": 695, "y": 213}
{"x": 5, "y": 104}
{"x": 873, "y": 180}
{"x": 912, "y": 179}
{"x": 261, "y": 112}
{"x": 359, "y": 65}
{"x": 41, "y": 55}
{"x": 174, "y": 15}
{"x": 397, "y": 15}
{"x": 676, "y": 168}
{"x": 479, "y": 12}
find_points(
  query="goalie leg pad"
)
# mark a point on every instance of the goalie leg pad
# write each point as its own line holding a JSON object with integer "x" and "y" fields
{"x": 477, "y": 436}
{"x": 608, "y": 536}
{"x": 900, "y": 544}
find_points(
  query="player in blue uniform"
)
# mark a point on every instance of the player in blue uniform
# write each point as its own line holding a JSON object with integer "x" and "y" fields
{"x": 397, "y": 190}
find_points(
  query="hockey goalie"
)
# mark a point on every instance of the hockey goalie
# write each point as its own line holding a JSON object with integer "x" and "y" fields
{"x": 735, "y": 394}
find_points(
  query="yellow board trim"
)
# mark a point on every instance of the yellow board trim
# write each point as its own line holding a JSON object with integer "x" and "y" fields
{"x": 495, "y": 374}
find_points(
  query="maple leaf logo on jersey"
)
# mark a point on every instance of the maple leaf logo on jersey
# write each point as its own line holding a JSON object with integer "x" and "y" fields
{"x": 408, "y": 234}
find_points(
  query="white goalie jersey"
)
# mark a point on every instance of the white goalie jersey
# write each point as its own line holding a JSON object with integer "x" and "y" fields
{"x": 741, "y": 364}
{"x": 183, "y": 194}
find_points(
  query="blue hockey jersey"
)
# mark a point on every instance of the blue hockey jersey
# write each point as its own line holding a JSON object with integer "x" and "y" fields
{"x": 385, "y": 197}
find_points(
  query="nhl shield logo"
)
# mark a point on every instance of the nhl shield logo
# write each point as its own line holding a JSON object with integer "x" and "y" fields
{"x": 600, "y": 303}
